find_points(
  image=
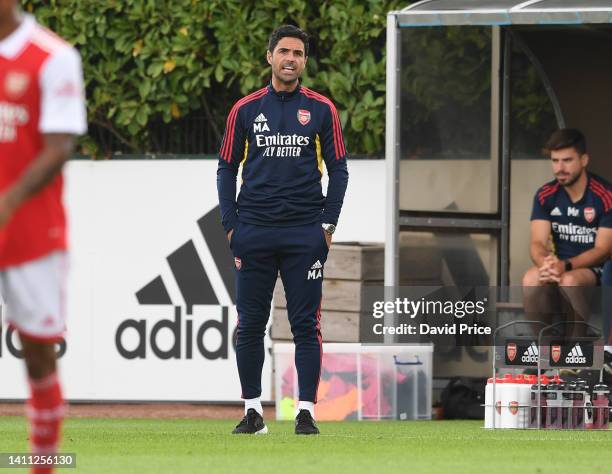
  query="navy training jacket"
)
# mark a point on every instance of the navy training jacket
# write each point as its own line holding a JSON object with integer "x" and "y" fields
{"x": 283, "y": 140}
{"x": 574, "y": 225}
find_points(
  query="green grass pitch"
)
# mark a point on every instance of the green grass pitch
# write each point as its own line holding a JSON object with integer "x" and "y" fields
{"x": 193, "y": 446}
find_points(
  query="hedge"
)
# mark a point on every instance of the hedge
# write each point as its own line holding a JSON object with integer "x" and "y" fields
{"x": 160, "y": 61}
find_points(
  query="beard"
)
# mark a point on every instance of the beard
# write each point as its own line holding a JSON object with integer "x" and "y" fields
{"x": 285, "y": 80}
{"x": 570, "y": 180}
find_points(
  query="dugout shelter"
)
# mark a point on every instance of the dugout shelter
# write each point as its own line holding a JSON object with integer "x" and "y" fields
{"x": 474, "y": 88}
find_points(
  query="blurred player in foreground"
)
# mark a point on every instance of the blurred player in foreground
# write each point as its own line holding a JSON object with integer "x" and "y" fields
{"x": 41, "y": 110}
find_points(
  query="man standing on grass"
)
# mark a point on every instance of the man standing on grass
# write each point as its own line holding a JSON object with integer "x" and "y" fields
{"x": 283, "y": 135}
{"x": 41, "y": 110}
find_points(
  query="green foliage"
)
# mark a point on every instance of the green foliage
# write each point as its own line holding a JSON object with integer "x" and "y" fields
{"x": 443, "y": 65}
{"x": 147, "y": 61}
{"x": 446, "y": 95}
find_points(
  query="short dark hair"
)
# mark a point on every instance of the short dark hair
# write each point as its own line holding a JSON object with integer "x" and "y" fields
{"x": 288, "y": 31}
{"x": 566, "y": 138}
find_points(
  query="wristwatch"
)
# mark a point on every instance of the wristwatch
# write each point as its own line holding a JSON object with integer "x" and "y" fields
{"x": 329, "y": 228}
{"x": 568, "y": 265}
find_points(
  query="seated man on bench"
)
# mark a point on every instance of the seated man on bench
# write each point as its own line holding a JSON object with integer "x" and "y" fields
{"x": 576, "y": 210}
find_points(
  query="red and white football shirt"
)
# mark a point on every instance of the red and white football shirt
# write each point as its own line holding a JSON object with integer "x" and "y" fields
{"x": 41, "y": 91}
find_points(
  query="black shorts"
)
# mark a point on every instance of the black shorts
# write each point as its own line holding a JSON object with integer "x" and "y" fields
{"x": 598, "y": 271}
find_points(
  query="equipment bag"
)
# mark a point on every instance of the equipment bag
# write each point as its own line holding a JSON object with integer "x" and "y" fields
{"x": 462, "y": 398}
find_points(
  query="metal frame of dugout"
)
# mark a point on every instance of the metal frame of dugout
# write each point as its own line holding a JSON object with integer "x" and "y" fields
{"x": 505, "y": 17}
{"x": 545, "y": 342}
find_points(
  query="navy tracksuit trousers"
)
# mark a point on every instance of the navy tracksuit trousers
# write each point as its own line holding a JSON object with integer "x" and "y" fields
{"x": 260, "y": 253}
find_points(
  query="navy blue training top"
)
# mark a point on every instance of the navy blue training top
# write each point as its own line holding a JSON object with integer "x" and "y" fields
{"x": 574, "y": 224}
{"x": 282, "y": 140}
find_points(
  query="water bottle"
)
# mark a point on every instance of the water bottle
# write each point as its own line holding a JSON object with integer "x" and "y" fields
{"x": 578, "y": 406}
{"x": 509, "y": 402}
{"x": 554, "y": 403}
{"x": 489, "y": 404}
{"x": 524, "y": 400}
{"x": 533, "y": 412}
{"x": 601, "y": 410}
{"x": 567, "y": 403}
{"x": 588, "y": 409}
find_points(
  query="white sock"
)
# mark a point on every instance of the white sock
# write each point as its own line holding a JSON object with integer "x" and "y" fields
{"x": 608, "y": 349}
{"x": 306, "y": 406}
{"x": 253, "y": 403}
